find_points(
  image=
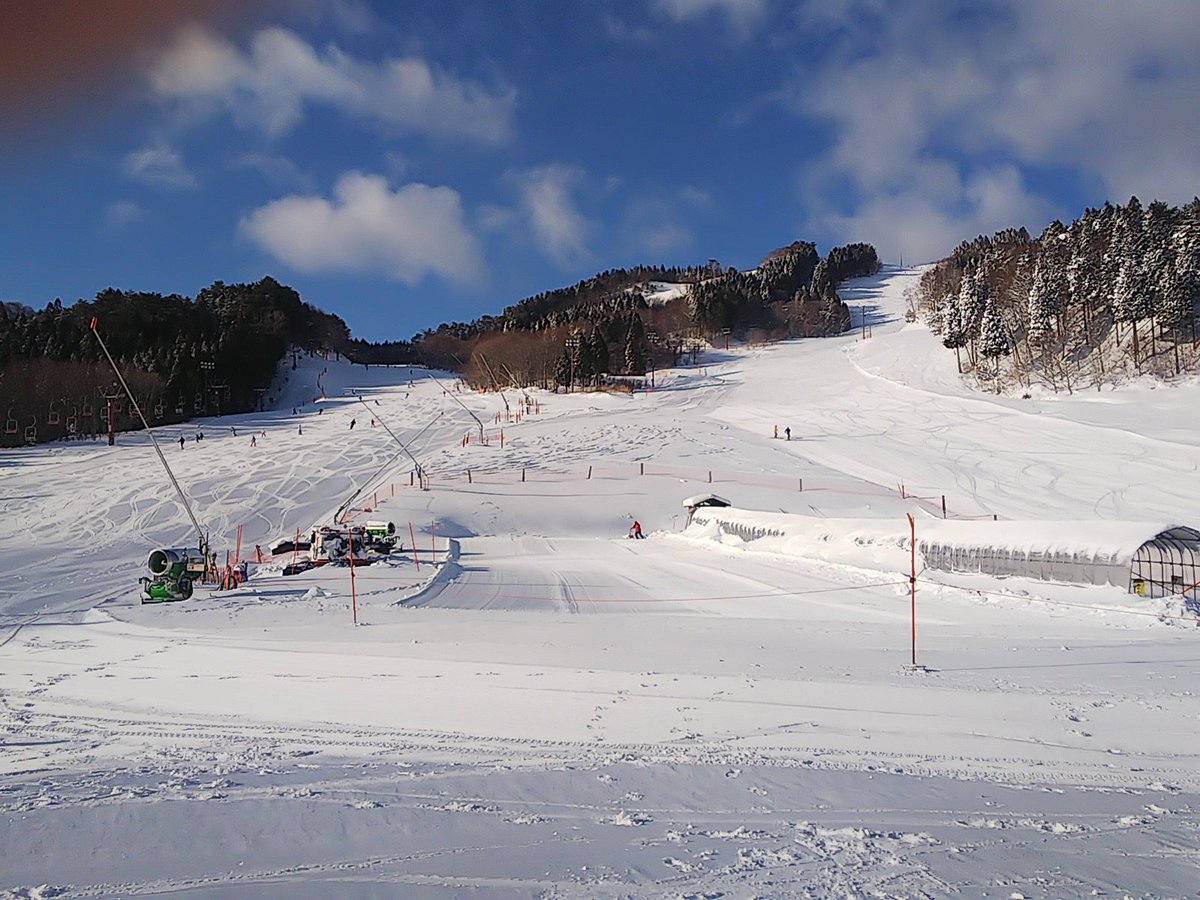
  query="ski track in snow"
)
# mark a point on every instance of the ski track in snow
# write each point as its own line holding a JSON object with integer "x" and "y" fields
{"x": 540, "y": 707}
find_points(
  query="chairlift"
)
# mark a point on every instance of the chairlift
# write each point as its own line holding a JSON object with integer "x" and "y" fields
{"x": 31, "y": 431}
{"x": 88, "y": 411}
{"x": 198, "y": 404}
{"x": 52, "y": 417}
{"x": 160, "y": 408}
{"x": 72, "y": 423}
{"x": 104, "y": 414}
{"x": 10, "y": 424}
{"x": 179, "y": 407}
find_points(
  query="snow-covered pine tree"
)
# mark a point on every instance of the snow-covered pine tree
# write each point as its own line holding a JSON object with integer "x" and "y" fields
{"x": 635, "y": 346}
{"x": 954, "y": 336}
{"x": 993, "y": 338}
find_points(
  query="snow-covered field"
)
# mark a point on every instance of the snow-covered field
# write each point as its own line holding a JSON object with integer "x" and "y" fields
{"x": 533, "y": 705}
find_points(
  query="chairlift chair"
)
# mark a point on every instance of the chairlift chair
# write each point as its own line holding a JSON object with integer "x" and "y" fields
{"x": 198, "y": 404}
{"x": 52, "y": 417}
{"x": 160, "y": 408}
{"x": 104, "y": 414}
{"x": 31, "y": 431}
{"x": 88, "y": 411}
{"x": 72, "y": 423}
{"x": 179, "y": 407}
{"x": 10, "y": 424}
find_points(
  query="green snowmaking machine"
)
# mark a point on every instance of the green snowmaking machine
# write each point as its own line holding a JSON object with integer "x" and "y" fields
{"x": 173, "y": 571}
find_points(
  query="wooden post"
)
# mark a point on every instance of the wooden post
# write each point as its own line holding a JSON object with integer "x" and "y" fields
{"x": 802, "y": 485}
{"x": 589, "y": 478}
{"x": 943, "y": 506}
{"x": 433, "y": 539}
{"x": 641, "y": 468}
{"x": 710, "y": 476}
{"x": 522, "y": 474}
{"x": 413, "y": 537}
{"x": 469, "y": 481}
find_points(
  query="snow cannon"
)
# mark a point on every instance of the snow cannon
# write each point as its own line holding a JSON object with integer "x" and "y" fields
{"x": 381, "y": 536}
{"x": 173, "y": 571}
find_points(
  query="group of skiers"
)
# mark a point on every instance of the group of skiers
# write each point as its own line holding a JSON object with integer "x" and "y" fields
{"x": 787, "y": 432}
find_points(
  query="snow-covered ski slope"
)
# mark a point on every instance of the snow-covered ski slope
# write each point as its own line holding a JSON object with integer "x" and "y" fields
{"x": 542, "y": 707}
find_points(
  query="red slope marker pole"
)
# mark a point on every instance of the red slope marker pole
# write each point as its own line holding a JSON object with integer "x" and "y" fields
{"x": 912, "y": 581}
{"x": 353, "y": 592}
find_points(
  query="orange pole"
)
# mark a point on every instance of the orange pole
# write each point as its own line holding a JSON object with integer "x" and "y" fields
{"x": 353, "y": 592}
{"x": 912, "y": 581}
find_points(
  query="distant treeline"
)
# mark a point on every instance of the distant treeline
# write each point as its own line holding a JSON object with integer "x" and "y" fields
{"x": 606, "y": 326}
{"x": 182, "y": 357}
{"x": 220, "y": 352}
{"x": 1113, "y": 294}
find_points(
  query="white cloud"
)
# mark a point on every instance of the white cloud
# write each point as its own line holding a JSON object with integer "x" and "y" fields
{"x": 918, "y": 226}
{"x": 654, "y": 227}
{"x": 942, "y": 120}
{"x": 278, "y": 169}
{"x": 268, "y": 85}
{"x": 744, "y": 14}
{"x": 366, "y": 227}
{"x": 668, "y": 237}
{"x": 548, "y": 207}
{"x": 159, "y": 166}
{"x": 122, "y": 212}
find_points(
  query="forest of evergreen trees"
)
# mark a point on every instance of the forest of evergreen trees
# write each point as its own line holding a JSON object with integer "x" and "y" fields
{"x": 220, "y": 352}
{"x": 1112, "y": 295}
{"x": 181, "y": 357}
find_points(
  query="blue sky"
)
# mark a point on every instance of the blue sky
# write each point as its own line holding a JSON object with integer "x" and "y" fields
{"x": 412, "y": 162}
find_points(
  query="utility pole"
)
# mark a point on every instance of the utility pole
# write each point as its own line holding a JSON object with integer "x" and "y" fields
{"x": 206, "y": 366}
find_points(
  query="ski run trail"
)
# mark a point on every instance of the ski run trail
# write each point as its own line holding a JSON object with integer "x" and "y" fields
{"x": 532, "y": 705}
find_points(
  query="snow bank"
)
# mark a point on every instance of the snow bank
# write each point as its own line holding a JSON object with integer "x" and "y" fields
{"x": 1080, "y": 552}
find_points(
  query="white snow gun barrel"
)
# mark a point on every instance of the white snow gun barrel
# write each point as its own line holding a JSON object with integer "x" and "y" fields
{"x": 187, "y": 508}
{"x": 174, "y": 571}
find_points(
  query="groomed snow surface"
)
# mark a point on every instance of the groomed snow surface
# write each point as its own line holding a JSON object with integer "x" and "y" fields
{"x": 534, "y": 705}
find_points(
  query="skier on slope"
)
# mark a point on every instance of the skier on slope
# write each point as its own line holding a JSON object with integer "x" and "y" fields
{"x": 352, "y": 421}
{"x": 636, "y": 531}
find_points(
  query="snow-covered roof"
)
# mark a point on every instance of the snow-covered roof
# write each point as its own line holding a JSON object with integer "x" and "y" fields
{"x": 705, "y": 500}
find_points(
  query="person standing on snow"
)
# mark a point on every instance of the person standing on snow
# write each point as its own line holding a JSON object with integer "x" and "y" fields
{"x": 788, "y": 432}
{"x": 636, "y": 531}
{"x": 253, "y": 440}
{"x": 181, "y": 442}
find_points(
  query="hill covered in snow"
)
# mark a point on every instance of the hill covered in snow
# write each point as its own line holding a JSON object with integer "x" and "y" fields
{"x": 532, "y": 704}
